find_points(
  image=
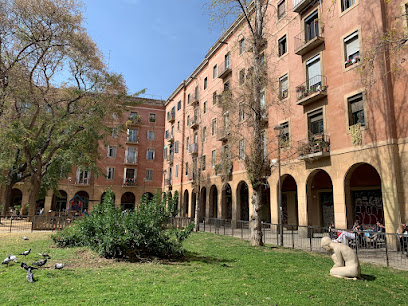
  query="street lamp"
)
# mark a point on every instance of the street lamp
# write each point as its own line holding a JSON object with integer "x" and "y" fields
{"x": 279, "y": 129}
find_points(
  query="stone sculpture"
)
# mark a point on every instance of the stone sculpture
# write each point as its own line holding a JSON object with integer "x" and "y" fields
{"x": 346, "y": 263}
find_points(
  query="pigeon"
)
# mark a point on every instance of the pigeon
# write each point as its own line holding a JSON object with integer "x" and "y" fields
{"x": 25, "y": 253}
{"x": 24, "y": 265}
{"x": 30, "y": 276}
{"x": 45, "y": 255}
{"x": 12, "y": 257}
{"x": 59, "y": 266}
{"x": 25, "y": 238}
{"x": 40, "y": 263}
{"x": 9, "y": 259}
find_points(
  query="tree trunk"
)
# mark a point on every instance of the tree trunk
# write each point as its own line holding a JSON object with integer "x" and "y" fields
{"x": 255, "y": 218}
{"x": 7, "y": 198}
{"x": 32, "y": 199}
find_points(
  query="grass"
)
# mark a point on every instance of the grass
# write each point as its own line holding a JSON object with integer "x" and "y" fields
{"x": 217, "y": 270}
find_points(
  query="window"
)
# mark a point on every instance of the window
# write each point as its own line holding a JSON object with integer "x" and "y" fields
{"x": 226, "y": 86}
{"x": 283, "y": 87}
{"x": 187, "y": 168}
{"x": 315, "y": 122}
{"x": 111, "y": 151}
{"x": 242, "y": 149}
{"x": 284, "y": 135}
{"x": 150, "y": 135}
{"x": 187, "y": 142}
{"x": 204, "y": 134}
{"x": 226, "y": 122}
{"x": 346, "y": 4}
{"x": 205, "y": 107}
{"x": 178, "y": 126}
{"x": 179, "y": 105}
{"x": 176, "y": 146}
{"x": 214, "y": 127}
{"x": 132, "y": 135}
{"x": 227, "y": 61}
{"x": 150, "y": 154}
{"x": 188, "y": 120}
{"x": 281, "y": 9}
{"x": 166, "y": 134}
{"x": 177, "y": 166}
{"x": 312, "y": 26}
{"x": 242, "y": 112}
{"x": 351, "y": 49}
{"x": 242, "y": 46}
{"x": 213, "y": 158}
{"x": 188, "y": 99}
{"x": 205, "y": 83}
{"x": 131, "y": 155}
{"x": 214, "y": 97}
{"x": 115, "y": 132}
{"x": 83, "y": 176}
{"x": 263, "y": 100}
{"x": 130, "y": 177}
{"x": 165, "y": 152}
{"x": 196, "y": 93}
{"x": 149, "y": 174}
{"x": 110, "y": 173}
{"x": 313, "y": 71}
{"x": 134, "y": 115}
{"x": 356, "y": 110}
{"x": 283, "y": 47}
{"x": 152, "y": 117}
{"x": 242, "y": 76}
{"x": 215, "y": 72}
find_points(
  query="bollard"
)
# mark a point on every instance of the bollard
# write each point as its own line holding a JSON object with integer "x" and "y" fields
{"x": 11, "y": 222}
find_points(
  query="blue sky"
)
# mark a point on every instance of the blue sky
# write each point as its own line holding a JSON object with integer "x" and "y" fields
{"x": 154, "y": 44}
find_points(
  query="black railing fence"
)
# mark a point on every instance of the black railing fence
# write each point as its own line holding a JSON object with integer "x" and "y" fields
{"x": 378, "y": 248}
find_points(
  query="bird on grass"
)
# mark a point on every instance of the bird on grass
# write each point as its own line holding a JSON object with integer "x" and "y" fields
{"x": 45, "y": 255}
{"x": 25, "y": 253}
{"x": 9, "y": 259}
{"x": 59, "y": 266}
{"x": 24, "y": 265}
{"x": 30, "y": 276}
{"x": 40, "y": 263}
{"x": 25, "y": 238}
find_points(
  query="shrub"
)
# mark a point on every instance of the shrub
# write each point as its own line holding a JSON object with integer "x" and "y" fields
{"x": 116, "y": 234}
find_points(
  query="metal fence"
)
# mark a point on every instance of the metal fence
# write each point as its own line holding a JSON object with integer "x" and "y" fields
{"x": 38, "y": 222}
{"x": 378, "y": 248}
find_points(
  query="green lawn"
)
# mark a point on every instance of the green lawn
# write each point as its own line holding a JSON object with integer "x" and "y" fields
{"x": 217, "y": 270}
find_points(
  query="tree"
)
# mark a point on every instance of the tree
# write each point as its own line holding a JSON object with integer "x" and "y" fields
{"x": 55, "y": 93}
{"x": 251, "y": 100}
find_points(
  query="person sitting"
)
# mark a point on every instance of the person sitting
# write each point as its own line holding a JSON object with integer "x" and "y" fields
{"x": 356, "y": 231}
{"x": 402, "y": 234}
{"x": 378, "y": 232}
{"x": 333, "y": 234}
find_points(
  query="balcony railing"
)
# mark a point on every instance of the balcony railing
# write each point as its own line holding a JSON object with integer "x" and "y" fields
{"x": 194, "y": 123}
{"x": 82, "y": 181}
{"x": 170, "y": 158}
{"x": 135, "y": 120}
{"x": 193, "y": 148}
{"x": 129, "y": 181}
{"x": 310, "y": 38}
{"x": 317, "y": 146}
{"x": 169, "y": 182}
{"x": 223, "y": 134}
{"x": 130, "y": 160}
{"x": 225, "y": 70}
{"x": 171, "y": 117}
{"x": 313, "y": 89}
{"x": 195, "y": 99}
{"x": 133, "y": 139}
{"x": 170, "y": 137}
{"x": 299, "y": 5}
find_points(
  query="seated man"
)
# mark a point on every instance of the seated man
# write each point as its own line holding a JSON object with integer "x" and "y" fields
{"x": 346, "y": 264}
{"x": 357, "y": 230}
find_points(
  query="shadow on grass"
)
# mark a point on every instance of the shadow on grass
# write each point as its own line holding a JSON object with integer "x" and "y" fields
{"x": 195, "y": 257}
{"x": 368, "y": 278}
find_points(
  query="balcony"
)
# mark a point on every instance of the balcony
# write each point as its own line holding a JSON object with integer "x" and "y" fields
{"x": 134, "y": 120}
{"x": 169, "y": 183}
{"x": 132, "y": 140}
{"x": 130, "y": 160}
{"x": 82, "y": 181}
{"x": 194, "y": 123}
{"x": 195, "y": 100}
{"x": 225, "y": 70}
{"x": 170, "y": 158}
{"x": 193, "y": 148}
{"x": 309, "y": 39}
{"x": 264, "y": 116}
{"x": 223, "y": 135}
{"x": 317, "y": 146}
{"x": 171, "y": 117}
{"x": 311, "y": 90}
{"x": 224, "y": 169}
{"x": 170, "y": 138}
{"x": 299, "y": 5}
{"x": 128, "y": 182}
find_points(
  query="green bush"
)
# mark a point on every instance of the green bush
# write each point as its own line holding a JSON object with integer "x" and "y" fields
{"x": 116, "y": 234}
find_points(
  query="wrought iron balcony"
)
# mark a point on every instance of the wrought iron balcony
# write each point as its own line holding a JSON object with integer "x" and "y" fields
{"x": 299, "y": 5}
{"x": 310, "y": 38}
{"x": 316, "y": 147}
{"x": 225, "y": 70}
{"x": 171, "y": 117}
{"x": 193, "y": 148}
{"x": 311, "y": 90}
{"x": 170, "y": 138}
{"x": 129, "y": 181}
{"x": 132, "y": 139}
{"x": 193, "y": 123}
{"x": 82, "y": 181}
{"x": 169, "y": 183}
{"x": 223, "y": 134}
{"x": 131, "y": 160}
{"x": 195, "y": 100}
{"x": 134, "y": 120}
{"x": 170, "y": 158}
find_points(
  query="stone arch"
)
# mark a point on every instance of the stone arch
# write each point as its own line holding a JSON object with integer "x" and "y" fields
{"x": 16, "y": 197}
{"x": 213, "y": 213}
{"x": 103, "y": 197}
{"x": 266, "y": 204}
{"x": 128, "y": 201}
{"x": 148, "y": 196}
{"x": 203, "y": 200}
{"x": 363, "y": 194}
{"x": 226, "y": 201}
{"x": 289, "y": 200}
{"x": 59, "y": 202}
{"x": 185, "y": 204}
{"x": 320, "y": 205}
{"x": 243, "y": 201}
